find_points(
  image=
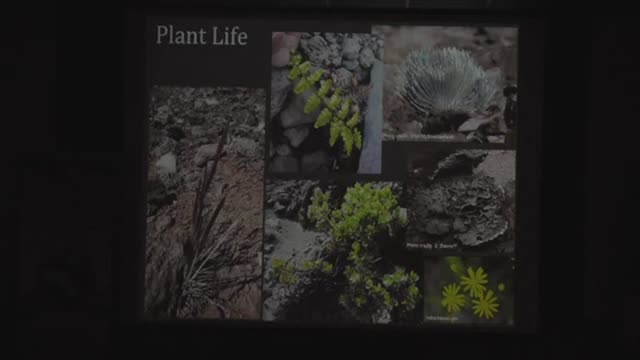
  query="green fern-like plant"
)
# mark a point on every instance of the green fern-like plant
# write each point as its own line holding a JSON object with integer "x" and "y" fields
{"x": 336, "y": 109}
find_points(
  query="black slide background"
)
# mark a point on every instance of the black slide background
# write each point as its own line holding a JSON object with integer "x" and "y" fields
{"x": 71, "y": 179}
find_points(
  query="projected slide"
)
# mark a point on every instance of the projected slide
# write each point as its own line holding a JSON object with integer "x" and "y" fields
{"x": 314, "y": 172}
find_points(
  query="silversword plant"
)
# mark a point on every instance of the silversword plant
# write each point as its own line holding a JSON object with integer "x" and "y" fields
{"x": 445, "y": 82}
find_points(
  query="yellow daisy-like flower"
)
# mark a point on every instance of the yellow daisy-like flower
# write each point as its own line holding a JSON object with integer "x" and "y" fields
{"x": 486, "y": 305}
{"x": 475, "y": 282}
{"x": 452, "y": 299}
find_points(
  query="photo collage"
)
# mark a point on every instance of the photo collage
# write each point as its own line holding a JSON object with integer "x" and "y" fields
{"x": 286, "y": 204}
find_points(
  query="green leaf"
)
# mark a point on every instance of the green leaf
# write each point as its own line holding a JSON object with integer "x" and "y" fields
{"x": 315, "y": 77}
{"x": 344, "y": 109}
{"x": 294, "y": 73}
{"x": 334, "y": 100}
{"x": 323, "y": 118}
{"x": 307, "y": 265}
{"x": 302, "y": 86}
{"x": 354, "y": 120}
{"x": 313, "y": 103}
{"x": 324, "y": 88}
{"x": 334, "y": 132}
{"x": 295, "y": 59}
{"x": 387, "y": 299}
{"x": 305, "y": 67}
{"x": 347, "y": 138}
{"x": 357, "y": 137}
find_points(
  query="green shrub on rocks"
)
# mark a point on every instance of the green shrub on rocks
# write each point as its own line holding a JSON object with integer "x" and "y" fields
{"x": 373, "y": 289}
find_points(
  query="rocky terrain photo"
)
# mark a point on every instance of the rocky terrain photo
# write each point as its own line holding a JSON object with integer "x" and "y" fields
{"x": 461, "y": 201}
{"x": 468, "y": 290}
{"x": 333, "y": 253}
{"x": 204, "y": 203}
{"x": 450, "y": 84}
{"x": 326, "y": 103}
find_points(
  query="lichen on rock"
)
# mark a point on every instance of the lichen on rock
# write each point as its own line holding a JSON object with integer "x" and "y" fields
{"x": 464, "y": 209}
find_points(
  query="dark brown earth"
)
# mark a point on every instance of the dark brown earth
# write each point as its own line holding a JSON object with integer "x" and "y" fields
{"x": 185, "y": 124}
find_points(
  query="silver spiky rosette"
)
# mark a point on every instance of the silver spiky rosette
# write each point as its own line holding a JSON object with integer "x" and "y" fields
{"x": 446, "y": 81}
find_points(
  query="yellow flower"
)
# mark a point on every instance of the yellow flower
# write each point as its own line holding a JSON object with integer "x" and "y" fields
{"x": 452, "y": 299}
{"x": 474, "y": 283}
{"x": 486, "y": 305}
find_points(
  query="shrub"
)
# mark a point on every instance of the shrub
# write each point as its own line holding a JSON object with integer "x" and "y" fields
{"x": 373, "y": 289}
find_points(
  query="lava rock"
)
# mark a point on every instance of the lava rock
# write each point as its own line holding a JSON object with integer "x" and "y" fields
{"x": 195, "y": 120}
{"x": 458, "y": 225}
{"x": 245, "y": 147}
{"x": 315, "y": 161}
{"x": 164, "y": 222}
{"x": 280, "y": 87}
{"x": 271, "y": 225}
{"x": 316, "y": 50}
{"x": 331, "y": 38}
{"x": 197, "y": 131}
{"x": 162, "y": 114}
{"x": 205, "y": 153}
{"x": 351, "y": 47}
{"x": 283, "y": 150}
{"x": 290, "y": 198}
{"x": 166, "y": 163}
{"x": 158, "y": 196}
{"x": 246, "y": 117}
{"x": 291, "y": 40}
{"x": 281, "y": 45}
{"x": 464, "y": 208}
{"x": 284, "y": 164}
{"x": 279, "y": 209}
{"x": 438, "y": 227}
{"x": 294, "y": 115}
{"x": 366, "y": 58}
{"x": 343, "y": 77}
{"x": 176, "y": 133}
{"x": 268, "y": 248}
{"x": 281, "y": 58}
{"x": 204, "y": 104}
{"x": 166, "y": 145}
{"x": 296, "y": 135}
{"x": 380, "y": 54}
{"x": 351, "y": 65}
{"x": 335, "y": 57}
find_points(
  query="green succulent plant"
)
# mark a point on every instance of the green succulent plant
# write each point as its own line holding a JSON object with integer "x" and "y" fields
{"x": 452, "y": 299}
{"x": 486, "y": 305}
{"x": 484, "y": 302}
{"x": 475, "y": 282}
